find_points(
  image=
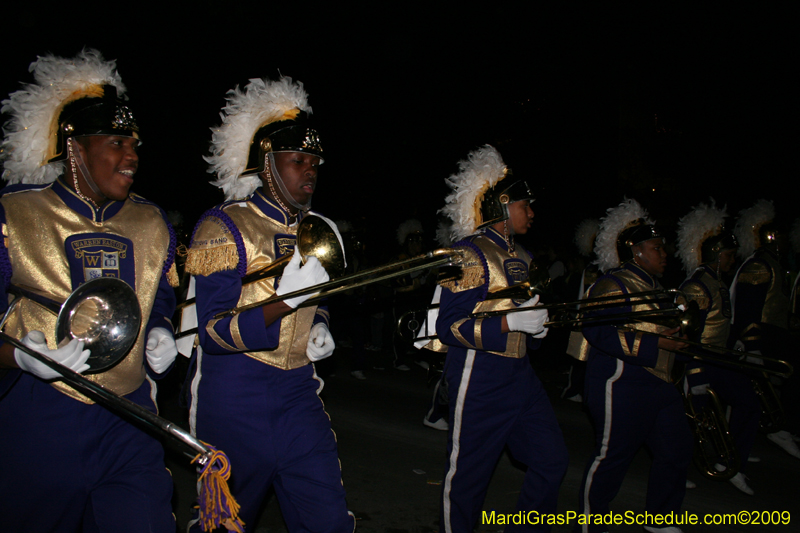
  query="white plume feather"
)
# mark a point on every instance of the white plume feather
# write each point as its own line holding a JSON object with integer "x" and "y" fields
{"x": 749, "y": 222}
{"x": 585, "y": 234}
{"x": 262, "y": 102}
{"x": 481, "y": 170}
{"x": 694, "y": 228}
{"x": 34, "y": 111}
{"x": 616, "y": 219}
{"x": 443, "y": 233}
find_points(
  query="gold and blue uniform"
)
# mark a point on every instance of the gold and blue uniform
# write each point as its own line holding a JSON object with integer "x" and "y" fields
{"x": 254, "y": 391}
{"x": 734, "y": 387}
{"x": 633, "y": 403}
{"x": 68, "y": 461}
{"x": 761, "y": 305}
{"x": 495, "y": 398}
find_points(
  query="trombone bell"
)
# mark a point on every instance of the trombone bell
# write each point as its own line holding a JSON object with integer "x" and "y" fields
{"x": 104, "y": 313}
{"x": 317, "y": 237}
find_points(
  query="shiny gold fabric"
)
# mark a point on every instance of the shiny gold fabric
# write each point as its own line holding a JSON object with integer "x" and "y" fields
{"x": 718, "y": 320}
{"x": 37, "y": 224}
{"x": 634, "y": 284}
{"x": 472, "y": 272}
{"x": 498, "y": 261}
{"x": 213, "y": 249}
{"x": 776, "y": 304}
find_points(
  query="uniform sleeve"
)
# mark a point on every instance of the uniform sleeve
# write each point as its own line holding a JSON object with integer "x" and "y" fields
{"x": 244, "y": 332}
{"x": 455, "y": 328}
{"x": 218, "y": 260}
{"x": 636, "y": 348}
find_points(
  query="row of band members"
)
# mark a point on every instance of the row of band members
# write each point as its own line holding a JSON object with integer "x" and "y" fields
{"x": 68, "y": 217}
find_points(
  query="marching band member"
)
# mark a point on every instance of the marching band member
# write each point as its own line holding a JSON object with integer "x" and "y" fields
{"x": 495, "y": 398}
{"x": 585, "y": 235}
{"x": 255, "y": 392}
{"x": 708, "y": 250}
{"x": 760, "y": 302}
{"x": 70, "y": 154}
{"x": 629, "y": 391}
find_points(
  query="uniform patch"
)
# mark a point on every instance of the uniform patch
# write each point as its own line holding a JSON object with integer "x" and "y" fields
{"x": 100, "y": 255}
{"x": 516, "y": 271}
{"x": 284, "y": 244}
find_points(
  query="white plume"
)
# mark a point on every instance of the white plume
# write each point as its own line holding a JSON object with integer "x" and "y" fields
{"x": 262, "y": 102}
{"x": 694, "y": 228}
{"x": 616, "y": 219}
{"x": 749, "y": 222}
{"x": 482, "y": 169}
{"x": 30, "y": 133}
{"x": 443, "y": 233}
{"x": 585, "y": 234}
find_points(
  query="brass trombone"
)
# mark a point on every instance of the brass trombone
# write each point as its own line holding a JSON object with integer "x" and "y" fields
{"x": 315, "y": 237}
{"x": 436, "y": 258}
{"x": 105, "y": 313}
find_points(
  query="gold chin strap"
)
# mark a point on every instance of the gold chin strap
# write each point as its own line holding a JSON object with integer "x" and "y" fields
{"x": 75, "y": 160}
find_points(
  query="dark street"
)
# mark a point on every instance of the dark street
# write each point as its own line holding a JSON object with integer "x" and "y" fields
{"x": 392, "y": 465}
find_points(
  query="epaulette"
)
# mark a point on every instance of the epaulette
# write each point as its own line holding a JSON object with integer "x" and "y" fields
{"x": 696, "y": 291}
{"x": 606, "y": 286}
{"x": 216, "y": 245}
{"x": 474, "y": 269}
{"x": 755, "y": 272}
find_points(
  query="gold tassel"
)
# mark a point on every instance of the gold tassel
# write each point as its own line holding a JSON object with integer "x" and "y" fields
{"x": 206, "y": 261}
{"x": 217, "y": 505}
{"x": 172, "y": 276}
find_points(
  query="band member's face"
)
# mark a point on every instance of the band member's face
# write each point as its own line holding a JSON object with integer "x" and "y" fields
{"x": 651, "y": 256}
{"x": 521, "y": 216}
{"x": 726, "y": 260}
{"x": 112, "y": 162}
{"x": 298, "y": 171}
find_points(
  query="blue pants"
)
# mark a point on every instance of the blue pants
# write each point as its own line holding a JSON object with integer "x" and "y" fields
{"x": 495, "y": 402}
{"x": 69, "y": 466}
{"x": 628, "y": 413}
{"x": 274, "y": 429}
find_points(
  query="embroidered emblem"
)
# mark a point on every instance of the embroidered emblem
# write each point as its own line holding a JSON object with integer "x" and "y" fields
{"x": 516, "y": 271}
{"x": 100, "y": 255}
{"x": 284, "y": 245}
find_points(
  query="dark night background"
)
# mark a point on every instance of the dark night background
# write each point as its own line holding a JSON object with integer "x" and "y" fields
{"x": 666, "y": 104}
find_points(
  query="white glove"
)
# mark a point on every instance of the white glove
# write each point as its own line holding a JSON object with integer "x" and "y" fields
{"x": 296, "y": 277}
{"x": 320, "y": 342}
{"x": 739, "y": 346}
{"x": 71, "y": 355}
{"x": 530, "y": 322}
{"x": 161, "y": 349}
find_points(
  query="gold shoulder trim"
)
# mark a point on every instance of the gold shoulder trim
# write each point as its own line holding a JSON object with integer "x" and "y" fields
{"x": 605, "y": 287}
{"x": 473, "y": 273}
{"x": 172, "y": 276}
{"x": 206, "y": 261}
{"x": 755, "y": 273}
{"x": 694, "y": 292}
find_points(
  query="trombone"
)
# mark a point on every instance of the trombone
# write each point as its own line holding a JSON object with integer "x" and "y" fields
{"x": 105, "y": 313}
